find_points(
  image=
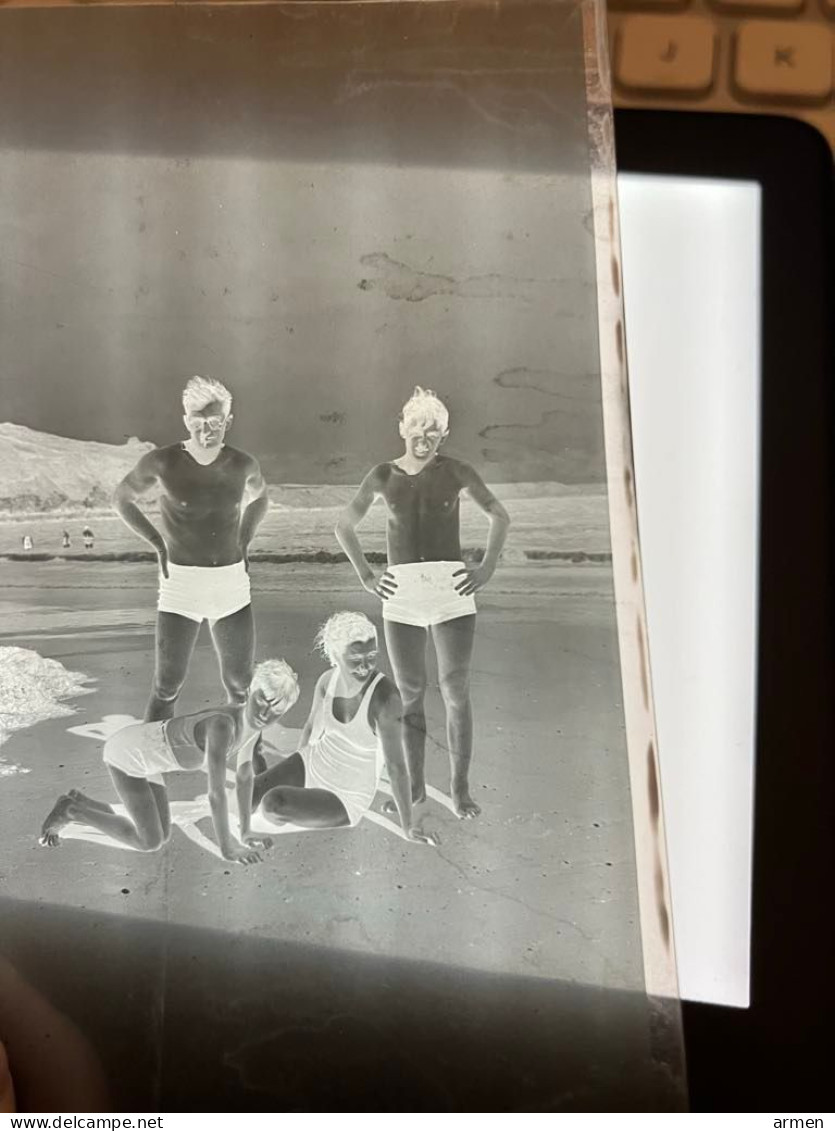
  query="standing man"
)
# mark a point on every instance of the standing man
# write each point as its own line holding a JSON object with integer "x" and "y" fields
{"x": 426, "y": 585}
{"x": 212, "y": 498}
{"x": 87, "y": 535}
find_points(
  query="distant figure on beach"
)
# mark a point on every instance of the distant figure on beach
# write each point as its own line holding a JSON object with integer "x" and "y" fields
{"x": 212, "y": 498}
{"x": 65, "y": 540}
{"x": 87, "y": 535}
{"x": 354, "y": 728}
{"x": 426, "y": 585}
{"x": 27, "y": 543}
{"x": 139, "y": 755}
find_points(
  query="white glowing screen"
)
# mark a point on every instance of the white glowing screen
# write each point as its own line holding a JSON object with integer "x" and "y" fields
{"x": 691, "y": 262}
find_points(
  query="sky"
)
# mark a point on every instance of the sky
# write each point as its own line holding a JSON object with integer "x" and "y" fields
{"x": 322, "y": 229}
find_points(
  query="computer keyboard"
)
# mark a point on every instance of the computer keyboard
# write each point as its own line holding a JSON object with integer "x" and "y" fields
{"x": 747, "y": 56}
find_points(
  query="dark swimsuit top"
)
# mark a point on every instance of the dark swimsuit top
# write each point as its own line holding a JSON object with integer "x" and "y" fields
{"x": 179, "y": 734}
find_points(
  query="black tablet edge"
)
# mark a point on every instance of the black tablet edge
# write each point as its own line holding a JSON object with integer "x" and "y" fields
{"x": 771, "y": 1057}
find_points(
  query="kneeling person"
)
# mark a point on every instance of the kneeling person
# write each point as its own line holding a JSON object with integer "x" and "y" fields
{"x": 354, "y": 727}
{"x": 139, "y": 755}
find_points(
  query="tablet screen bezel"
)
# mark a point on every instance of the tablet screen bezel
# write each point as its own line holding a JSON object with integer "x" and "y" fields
{"x": 772, "y": 1053}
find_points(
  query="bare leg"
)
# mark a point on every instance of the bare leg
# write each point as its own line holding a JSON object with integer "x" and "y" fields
{"x": 288, "y": 772}
{"x": 310, "y": 808}
{"x": 454, "y": 648}
{"x": 406, "y": 646}
{"x": 176, "y": 636}
{"x": 77, "y": 795}
{"x": 141, "y": 830}
{"x": 234, "y": 641}
{"x": 160, "y": 796}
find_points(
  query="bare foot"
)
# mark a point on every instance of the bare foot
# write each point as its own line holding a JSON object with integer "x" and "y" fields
{"x": 465, "y": 807}
{"x": 418, "y": 798}
{"x": 78, "y": 796}
{"x": 58, "y": 817}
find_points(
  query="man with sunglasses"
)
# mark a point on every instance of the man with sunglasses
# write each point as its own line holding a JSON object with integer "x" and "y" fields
{"x": 212, "y": 498}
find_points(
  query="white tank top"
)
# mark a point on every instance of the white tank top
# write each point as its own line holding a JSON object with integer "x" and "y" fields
{"x": 346, "y": 758}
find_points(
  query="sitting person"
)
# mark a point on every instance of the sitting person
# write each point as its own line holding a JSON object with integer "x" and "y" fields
{"x": 355, "y": 725}
{"x": 139, "y": 755}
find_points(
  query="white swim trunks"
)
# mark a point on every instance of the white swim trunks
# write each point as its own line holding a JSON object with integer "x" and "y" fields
{"x": 204, "y": 592}
{"x": 425, "y": 594}
{"x": 141, "y": 750}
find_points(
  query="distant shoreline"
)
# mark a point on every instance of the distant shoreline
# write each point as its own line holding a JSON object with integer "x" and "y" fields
{"x": 317, "y": 557}
{"x": 289, "y": 497}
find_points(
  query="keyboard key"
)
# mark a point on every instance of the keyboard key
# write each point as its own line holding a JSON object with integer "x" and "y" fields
{"x": 670, "y": 53}
{"x": 779, "y": 6}
{"x": 784, "y": 60}
{"x": 649, "y": 5}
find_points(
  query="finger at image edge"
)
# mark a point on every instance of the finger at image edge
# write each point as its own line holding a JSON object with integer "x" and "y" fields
{"x": 7, "y": 1104}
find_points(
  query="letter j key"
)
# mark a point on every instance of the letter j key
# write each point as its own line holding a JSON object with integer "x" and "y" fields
{"x": 669, "y": 53}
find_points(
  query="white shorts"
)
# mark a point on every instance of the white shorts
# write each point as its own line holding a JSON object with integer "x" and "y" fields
{"x": 425, "y": 594}
{"x": 204, "y": 592}
{"x": 355, "y": 803}
{"x": 141, "y": 751}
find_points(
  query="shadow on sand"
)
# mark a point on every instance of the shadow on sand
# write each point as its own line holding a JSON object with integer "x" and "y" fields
{"x": 195, "y": 1020}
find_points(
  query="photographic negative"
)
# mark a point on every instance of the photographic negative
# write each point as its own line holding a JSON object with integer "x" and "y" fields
{"x": 301, "y": 319}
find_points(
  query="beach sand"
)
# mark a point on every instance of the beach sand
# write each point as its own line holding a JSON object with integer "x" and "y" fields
{"x": 548, "y": 866}
{"x": 540, "y": 888}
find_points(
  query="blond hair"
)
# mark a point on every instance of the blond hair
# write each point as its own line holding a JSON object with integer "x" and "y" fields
{"x": 278, "y": 680}
{"x": 202, "y": 391}
{"x": 425, "y": 407}
{"x": 343, "y": 629}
